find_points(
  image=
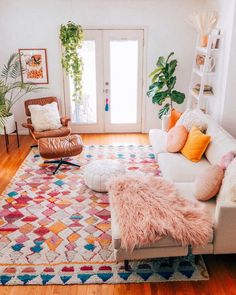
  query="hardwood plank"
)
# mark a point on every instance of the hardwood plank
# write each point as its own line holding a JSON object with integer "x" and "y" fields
{"x": 222, "y": 268}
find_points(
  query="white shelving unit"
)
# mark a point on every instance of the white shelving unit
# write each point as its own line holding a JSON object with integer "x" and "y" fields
{"x": 203, "y": 76}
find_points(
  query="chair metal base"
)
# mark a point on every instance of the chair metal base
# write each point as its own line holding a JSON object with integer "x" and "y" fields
{"x": 60, "y": 162}
{"x": 126, "y": 265}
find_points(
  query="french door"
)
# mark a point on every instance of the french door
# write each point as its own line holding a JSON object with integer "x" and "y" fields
{"x": 112, "y": 83}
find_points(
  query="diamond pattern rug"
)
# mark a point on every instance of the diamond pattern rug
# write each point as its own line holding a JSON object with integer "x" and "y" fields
{"x": 55, "y": 230}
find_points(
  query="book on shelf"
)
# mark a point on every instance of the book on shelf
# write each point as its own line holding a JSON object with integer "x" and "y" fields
{"x": 208, "y": 90}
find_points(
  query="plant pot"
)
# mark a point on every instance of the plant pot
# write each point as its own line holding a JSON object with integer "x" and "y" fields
{"x": 9, "y": 124}
{"x": 165, "y": 122}
{"x": 204, "y": 41}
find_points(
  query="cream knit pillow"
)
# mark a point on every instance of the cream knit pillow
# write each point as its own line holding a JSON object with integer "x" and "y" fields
{"x": 190, "y": 118}
{"x": 45, "y": 117}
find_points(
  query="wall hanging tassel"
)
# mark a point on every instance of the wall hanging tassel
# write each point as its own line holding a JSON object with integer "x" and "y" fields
{"x": 107, "y": 105}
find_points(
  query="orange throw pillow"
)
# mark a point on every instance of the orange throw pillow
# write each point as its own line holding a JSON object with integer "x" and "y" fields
{"x": 174, "y": 117}
{"x": 195, "y": 145}
{"x": 176, "y": 139}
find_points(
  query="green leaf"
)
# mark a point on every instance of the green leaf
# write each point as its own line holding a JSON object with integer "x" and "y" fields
{"x": 172, "y": 67}
{"x": 171, "y": 82}
{"x": 177, "y": 96}
{"x": 160, "y": 62}
{"x": 3, "y": 115}
{"x": 160, "y": 97}
{"x": 168, "y": 57}
{"x": 71, "y": 36}
{"x": 155, "y": 72}
{"x": 164, "y": 110}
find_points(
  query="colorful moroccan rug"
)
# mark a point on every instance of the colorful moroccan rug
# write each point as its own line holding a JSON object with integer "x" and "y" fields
{"x": 54, "y": 230}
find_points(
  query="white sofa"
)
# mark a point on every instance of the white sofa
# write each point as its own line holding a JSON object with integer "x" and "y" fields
{"x": 176, "y": 168}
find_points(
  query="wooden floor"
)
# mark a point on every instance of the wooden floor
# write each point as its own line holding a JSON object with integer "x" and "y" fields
{"x": 222, "y": 268}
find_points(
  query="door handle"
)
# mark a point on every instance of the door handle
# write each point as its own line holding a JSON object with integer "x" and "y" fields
{"x": 106, "y": 90}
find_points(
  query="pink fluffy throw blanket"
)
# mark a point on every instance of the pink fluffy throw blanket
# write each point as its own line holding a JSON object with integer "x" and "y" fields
{"x": 149, "y": 208}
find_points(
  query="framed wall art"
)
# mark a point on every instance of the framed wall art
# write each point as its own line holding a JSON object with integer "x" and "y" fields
{"x": 34, "y": 68}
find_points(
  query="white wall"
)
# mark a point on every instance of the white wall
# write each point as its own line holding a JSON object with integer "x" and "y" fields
{"x": 35, "y": 24}
{"x": 223, "y": 106}
{"x": 227, "y": 108}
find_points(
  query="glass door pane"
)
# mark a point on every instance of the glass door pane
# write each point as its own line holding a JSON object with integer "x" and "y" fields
{"x": 85, "y": 112}
{"x": 123, "y": 81}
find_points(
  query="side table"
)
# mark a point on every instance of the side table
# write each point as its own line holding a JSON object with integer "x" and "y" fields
{"x": 7, "y": 137}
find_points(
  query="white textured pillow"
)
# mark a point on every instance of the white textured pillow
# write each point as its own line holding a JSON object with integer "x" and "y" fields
{"x": 45, "y": 117}
{"x": 228, "y": 188}
{"x": 190, "y": 118}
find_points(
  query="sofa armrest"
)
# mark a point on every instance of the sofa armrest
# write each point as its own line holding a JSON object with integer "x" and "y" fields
{"x": 158, "y": 139}
{"x": 28, "y": 126}
{"x": 225, "y": 227}
{"x": 65, "y": 121}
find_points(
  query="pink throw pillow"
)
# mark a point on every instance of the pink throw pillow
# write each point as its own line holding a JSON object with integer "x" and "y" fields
{"x": 208, "y": 183}
{"x": 176, "y": 138}
{"x": 226, "y": 160}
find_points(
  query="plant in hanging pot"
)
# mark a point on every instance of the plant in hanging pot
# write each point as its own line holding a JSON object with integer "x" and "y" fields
{"x": 12, "y": 89}
{"x": 71, "y": 36}
{"x": 163, "y": 83}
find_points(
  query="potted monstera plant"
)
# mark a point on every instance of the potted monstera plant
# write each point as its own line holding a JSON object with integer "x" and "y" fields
{"x": 12, "y": 89}
{"x": 162, "y": 89}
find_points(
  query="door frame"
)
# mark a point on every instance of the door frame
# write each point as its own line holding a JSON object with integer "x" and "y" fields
{"x": 65, "y": 83}
{"x": 119, "y": 35}
{"x": 99, "y": 125}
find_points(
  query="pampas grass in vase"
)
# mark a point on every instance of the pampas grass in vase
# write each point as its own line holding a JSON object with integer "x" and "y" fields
{"x": 204, "y": 23}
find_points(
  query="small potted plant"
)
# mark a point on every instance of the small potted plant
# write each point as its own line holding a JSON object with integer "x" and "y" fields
{"x": 12, "y": 89}
{"x": 162, "y": 91}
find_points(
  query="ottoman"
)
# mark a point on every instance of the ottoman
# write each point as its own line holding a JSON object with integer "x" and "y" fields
{"x": 98, "y": 172}
{"x": 59, "y": 148}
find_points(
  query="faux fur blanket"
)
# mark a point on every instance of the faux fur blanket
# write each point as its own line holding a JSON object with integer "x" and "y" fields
{"x": 149, "y": 208}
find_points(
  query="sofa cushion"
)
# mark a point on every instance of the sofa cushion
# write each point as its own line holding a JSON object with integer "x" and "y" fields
{"x": 158, "y": 139}
{"x": 187, "y": 191}
{"x": 176, "y": 168}
{"x": 228, "y": 187}
{"x": 221, "y": 142}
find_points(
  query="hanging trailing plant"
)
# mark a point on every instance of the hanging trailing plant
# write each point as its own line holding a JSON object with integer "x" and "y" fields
{"x": 71, "y": 36}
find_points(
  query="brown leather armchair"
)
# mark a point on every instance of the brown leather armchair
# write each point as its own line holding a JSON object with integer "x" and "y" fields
{"x": 62, "y": 131}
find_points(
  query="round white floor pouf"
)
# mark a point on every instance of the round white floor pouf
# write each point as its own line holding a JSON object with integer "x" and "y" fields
{"x": 98, "y": 172}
